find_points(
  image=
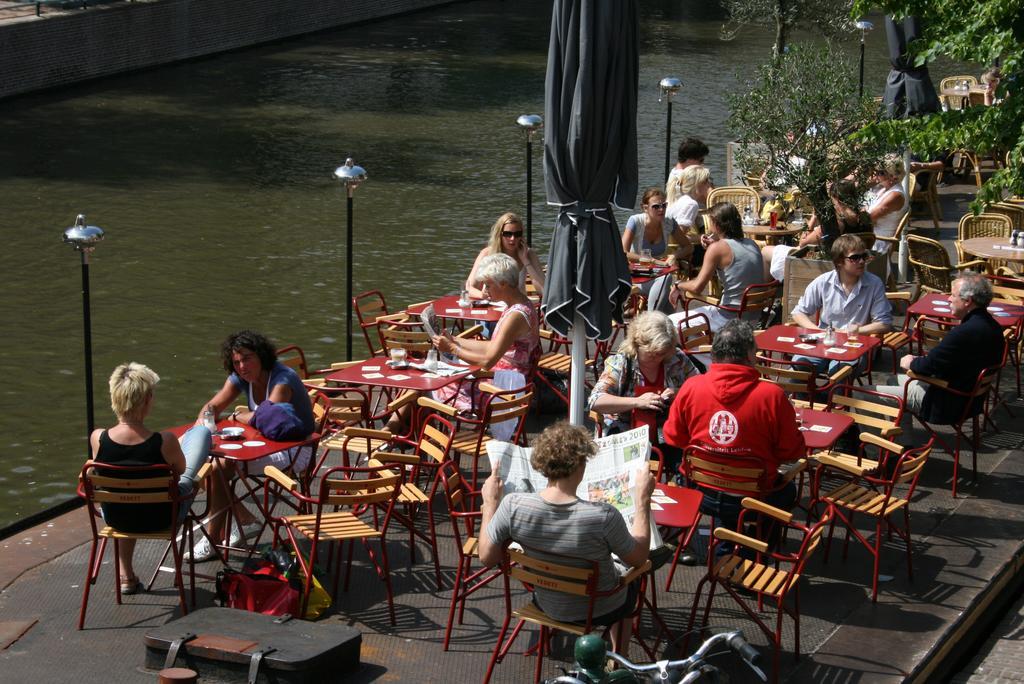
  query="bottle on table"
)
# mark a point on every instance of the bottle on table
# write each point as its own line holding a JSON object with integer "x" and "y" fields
{"x": 830, "y": 336}
{"x": 208, "y": 420}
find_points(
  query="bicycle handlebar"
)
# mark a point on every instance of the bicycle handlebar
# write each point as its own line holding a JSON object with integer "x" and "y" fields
{"x": 733, "y": 639}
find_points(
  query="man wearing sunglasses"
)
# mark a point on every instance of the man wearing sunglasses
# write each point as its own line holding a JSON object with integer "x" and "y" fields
{"x": 848, "y": 298}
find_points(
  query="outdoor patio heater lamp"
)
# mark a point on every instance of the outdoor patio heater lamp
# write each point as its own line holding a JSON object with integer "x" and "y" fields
{"x": 84, "y": 239}
{"x": 668, "y": 86}
{"x": 530, "y": 123}
{"x": 864, "y": 27}
{"x": 351, "y": 175}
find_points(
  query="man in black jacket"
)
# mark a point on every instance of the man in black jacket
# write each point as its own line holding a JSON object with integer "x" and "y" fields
{"x": 977, "y": 343}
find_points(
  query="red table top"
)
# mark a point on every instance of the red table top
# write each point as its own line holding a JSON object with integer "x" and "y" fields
{"x": 448, "y": 307}
{"x": 247, "y": 452}
{"x": 770, "y": 340}
{"x": 406, "y": 378}
{"x": 643, "y": 274}
{"x": 683, "y": 511}
{"x": 837, "y": 424}
{"x": 937, "y": 306}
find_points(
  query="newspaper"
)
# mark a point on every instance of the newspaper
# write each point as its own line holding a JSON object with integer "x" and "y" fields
{"x": 610, "y": 475}
{"x": 429, "y": 319}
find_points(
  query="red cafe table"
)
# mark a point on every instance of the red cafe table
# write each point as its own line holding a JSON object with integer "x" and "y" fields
{"x": 375, "y": 372}
{"x": 448, "y": 307}
{"x": 821, "y": 429}
{"x": 677, "y": 508}
{"x": 785, "y": 339}
{"x": 936, "y": 305}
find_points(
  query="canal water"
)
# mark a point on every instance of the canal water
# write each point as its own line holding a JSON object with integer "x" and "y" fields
{"x": 212, "y": 180}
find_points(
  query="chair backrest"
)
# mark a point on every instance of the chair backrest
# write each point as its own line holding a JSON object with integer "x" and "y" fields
{"x": 908, "y": 468}
{"x": 756, "y": 298}
{"x": 1014, "y": 212}
{"x": 928, "y": 184}
{"x": 810, "y": 535}
{"x": 407, "y": 335}
{"x": 984, "y": 225}
{"x": 293, "y": 357}
{"x": 695, "y": 332}
{"x": 792, "y": 376}
{"x": 739, "y": 195}
{"x": 359, "y": 486}
{"x": 953, "y": 102}
{"x": 369, "y": 306}
{"x": 508, "y": 405}
{"x": 876, "y": 411}
{"x": 951, "y": 81}
{"x": 129, "y": 485}
{"x": 350, "y": 406}
{"x": 930, "y": 261}
{"x": 552, "y": 576}
{"x": 462, "y": 506}
{"x": 724, "y": 472}
{"x": 929, "y": 332}
{"x": 1007, "y": 288}
{"x": 436, "y": 436}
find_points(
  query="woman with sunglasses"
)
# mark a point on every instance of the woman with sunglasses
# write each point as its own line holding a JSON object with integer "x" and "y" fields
{"x": 507, "y": 238}
{"x": 653, "y": 231}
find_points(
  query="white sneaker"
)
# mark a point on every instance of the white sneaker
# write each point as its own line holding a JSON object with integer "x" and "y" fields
{"x": 202, "y": 551}
{"x": 239, "y": 534}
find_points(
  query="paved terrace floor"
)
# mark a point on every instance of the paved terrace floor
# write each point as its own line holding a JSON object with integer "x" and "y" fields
{"x": 966, "y": 552}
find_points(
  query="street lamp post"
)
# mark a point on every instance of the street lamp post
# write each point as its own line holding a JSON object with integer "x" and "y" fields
{"x": 668, "y": 86}
{"x": 84, "y": 239}
{"x": 864, "y": 26}
{"x": 530, "y": 123}
{"x": 351, "y": 175}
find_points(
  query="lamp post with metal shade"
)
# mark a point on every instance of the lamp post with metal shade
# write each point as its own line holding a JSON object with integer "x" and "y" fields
{"x": 530, "y": 123}
{"x": 864, "y": 26}
{"x": 84, "y": 238}
{"x": 668, "y": 86}
{"x": 351, "y": 175}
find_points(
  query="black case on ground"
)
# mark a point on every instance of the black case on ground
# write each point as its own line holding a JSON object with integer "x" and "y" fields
{"x": 220, "y": 643}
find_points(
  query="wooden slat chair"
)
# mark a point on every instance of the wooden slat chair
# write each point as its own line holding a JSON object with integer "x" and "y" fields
{"x": 369, "y": 306}
{"x": 982, "y": 225}
{"x": 770, "y": 575}
{"x": 474, "y": 432}
{"x": 368, "y": 438}
{"x": 931, "y": 265}
{"x": 877, "y": 497}
{"x": 564, "y": 574}
{"x": 129, "y": 486}
{"x": 754, "y": 304}
{"x": 874, "y": 414}
{"x": 695, "y": 335}
{"x": 740, "y": 196}
{"x": 292, "y": 356}
{"x": 974, "y": 406}
{"x": 464, "y": 514}
{"x": 557, "y": 362}
{"x": 800, "y": 379}
{"x": 345, "y": 508}
{"x": 397, "y": 332}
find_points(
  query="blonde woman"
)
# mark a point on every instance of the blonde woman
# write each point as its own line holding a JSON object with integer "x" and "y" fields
{"x": 507, "y": 238}
{"x": 687, "y": 193}
{"x": 886, "y": 201}
{"x": 130, "y": 443}
{"x": 641, "y": 379}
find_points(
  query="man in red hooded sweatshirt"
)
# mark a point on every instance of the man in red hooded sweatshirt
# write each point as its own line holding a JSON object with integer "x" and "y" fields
{"x": 730, "y": 411}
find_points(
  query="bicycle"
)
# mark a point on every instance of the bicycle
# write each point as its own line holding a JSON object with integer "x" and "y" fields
{"x": 590, "y": 657}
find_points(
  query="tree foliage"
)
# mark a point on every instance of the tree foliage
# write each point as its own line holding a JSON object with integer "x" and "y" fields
{"x": 797, "y": 122}
{"x": 981, "y": 31}
{"x": 829, "y": 18}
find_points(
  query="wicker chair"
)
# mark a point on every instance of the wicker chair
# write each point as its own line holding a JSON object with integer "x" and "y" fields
{"x": 926, "y": 192}
{"x": 930, "y": 262}
{"x": 982, "y": 225}
{"x": 950, "y": 81}
{"x": 1014, "y": 212}
{"x": 739, "y": 195}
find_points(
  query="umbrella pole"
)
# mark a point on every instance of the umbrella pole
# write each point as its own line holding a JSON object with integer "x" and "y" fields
{"x": 578, "y": 371}
{"x": 903, "y": 256}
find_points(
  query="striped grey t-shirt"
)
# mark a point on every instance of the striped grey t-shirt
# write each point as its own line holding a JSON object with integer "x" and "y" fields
{"x": 581, "y": 529}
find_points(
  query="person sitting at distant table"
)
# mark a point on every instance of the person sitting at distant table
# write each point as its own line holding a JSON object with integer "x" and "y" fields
{"x": 734, "y": 258}
{"x": 130, "y": 443}
{"x": 691, "y": 152}
{"x": 887, "y": 203}
{"x": 848, "y": 298}
{"x": 556, "y": 521}
{"x": 641, "y": 379}
{"x": 507, "y": 238}
{"x": 251, "y": 362}
{"x": 652, "y": 231}
{"x": 687, "y": 194}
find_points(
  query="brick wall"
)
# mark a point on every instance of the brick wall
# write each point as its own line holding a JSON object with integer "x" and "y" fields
{"x": 61, "y": 48}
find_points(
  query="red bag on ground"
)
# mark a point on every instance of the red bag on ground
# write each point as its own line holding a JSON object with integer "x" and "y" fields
{"x": 260, "y": 588}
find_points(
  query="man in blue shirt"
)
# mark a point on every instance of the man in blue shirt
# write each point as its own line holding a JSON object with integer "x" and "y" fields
{"x": 849, "y": 298}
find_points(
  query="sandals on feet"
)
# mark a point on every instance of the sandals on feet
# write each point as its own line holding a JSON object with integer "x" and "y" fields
{"x": 130, "y": 586}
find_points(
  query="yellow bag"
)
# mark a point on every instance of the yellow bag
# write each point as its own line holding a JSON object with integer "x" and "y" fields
{"x": 319, "y": 600}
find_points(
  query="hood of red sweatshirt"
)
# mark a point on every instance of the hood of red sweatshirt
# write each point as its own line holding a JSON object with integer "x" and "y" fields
{"x": 730, "y": 382}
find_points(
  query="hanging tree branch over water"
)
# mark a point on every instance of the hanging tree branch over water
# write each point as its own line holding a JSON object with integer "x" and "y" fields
{"x": 795, "y": 124}
{"x": 830, "y": 18}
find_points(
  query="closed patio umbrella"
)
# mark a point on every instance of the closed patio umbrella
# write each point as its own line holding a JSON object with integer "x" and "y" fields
{"x": 590, "y": 163}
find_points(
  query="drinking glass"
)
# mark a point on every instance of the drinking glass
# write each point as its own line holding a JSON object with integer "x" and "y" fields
{"x": 645, "y": 258}
{"x": 851, "y": 332}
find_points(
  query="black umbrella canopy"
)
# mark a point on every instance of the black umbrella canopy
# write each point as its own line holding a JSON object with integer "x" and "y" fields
{"x": 590, "y": 159}
{"x": 908, "y": 90}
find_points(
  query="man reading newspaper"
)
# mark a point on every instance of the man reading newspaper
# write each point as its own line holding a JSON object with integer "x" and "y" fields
{"x": 556, "y": 520}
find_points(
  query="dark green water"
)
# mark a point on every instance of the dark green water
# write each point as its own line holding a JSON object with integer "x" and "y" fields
{"x": 213, "y": 182}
